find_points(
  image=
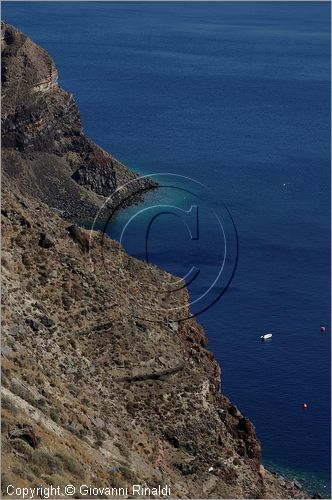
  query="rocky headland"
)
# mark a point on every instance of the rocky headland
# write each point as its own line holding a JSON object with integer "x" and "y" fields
{"x": 44, "y": 149}
{"x": 92, "y": 393}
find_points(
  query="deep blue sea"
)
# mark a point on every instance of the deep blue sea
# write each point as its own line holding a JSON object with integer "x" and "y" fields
{"x": 235, "y": 96}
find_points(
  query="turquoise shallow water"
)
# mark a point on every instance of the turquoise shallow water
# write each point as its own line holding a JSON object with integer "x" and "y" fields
{"x": 237, "y": 97}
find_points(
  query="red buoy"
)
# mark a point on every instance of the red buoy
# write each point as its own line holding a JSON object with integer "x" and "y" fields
{"x": 323, "y": 329}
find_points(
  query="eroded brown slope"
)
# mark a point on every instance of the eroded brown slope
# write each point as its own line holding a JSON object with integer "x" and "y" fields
{"x": 91, "y": 394}
{"x": 97, "y": 387}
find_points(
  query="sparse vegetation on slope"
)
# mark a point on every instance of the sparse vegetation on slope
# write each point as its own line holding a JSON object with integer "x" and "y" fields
{"x": 90, "y": 393}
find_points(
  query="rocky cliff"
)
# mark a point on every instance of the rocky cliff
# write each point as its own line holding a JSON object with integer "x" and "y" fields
{"x": 45, "y": 152}
{"x": 91, "y": 392}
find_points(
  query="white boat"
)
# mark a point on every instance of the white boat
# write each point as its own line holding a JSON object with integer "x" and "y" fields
{"x": 267, "y": 336}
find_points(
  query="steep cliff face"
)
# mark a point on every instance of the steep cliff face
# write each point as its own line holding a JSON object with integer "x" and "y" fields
{"x": 92, "y": 393}
{"x": 44, "y": 147}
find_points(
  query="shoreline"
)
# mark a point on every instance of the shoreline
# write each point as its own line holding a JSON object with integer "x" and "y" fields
{"x": 305, "y": 480}
{"x": 99, "y": 381}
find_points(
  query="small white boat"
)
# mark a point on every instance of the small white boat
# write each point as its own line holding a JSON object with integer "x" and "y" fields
{"x": 267, "y": 336}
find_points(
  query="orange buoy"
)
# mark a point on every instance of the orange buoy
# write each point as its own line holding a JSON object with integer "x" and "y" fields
{"x": 323, "y": 329}
{"x": 305, "y": 406}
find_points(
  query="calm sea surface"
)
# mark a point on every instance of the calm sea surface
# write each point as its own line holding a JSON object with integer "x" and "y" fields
{"x": 235, "y": 96}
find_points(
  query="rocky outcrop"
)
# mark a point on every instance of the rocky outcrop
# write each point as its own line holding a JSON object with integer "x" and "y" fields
{"x": 42, "y": 130}
{"x": 93, "y": 393}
